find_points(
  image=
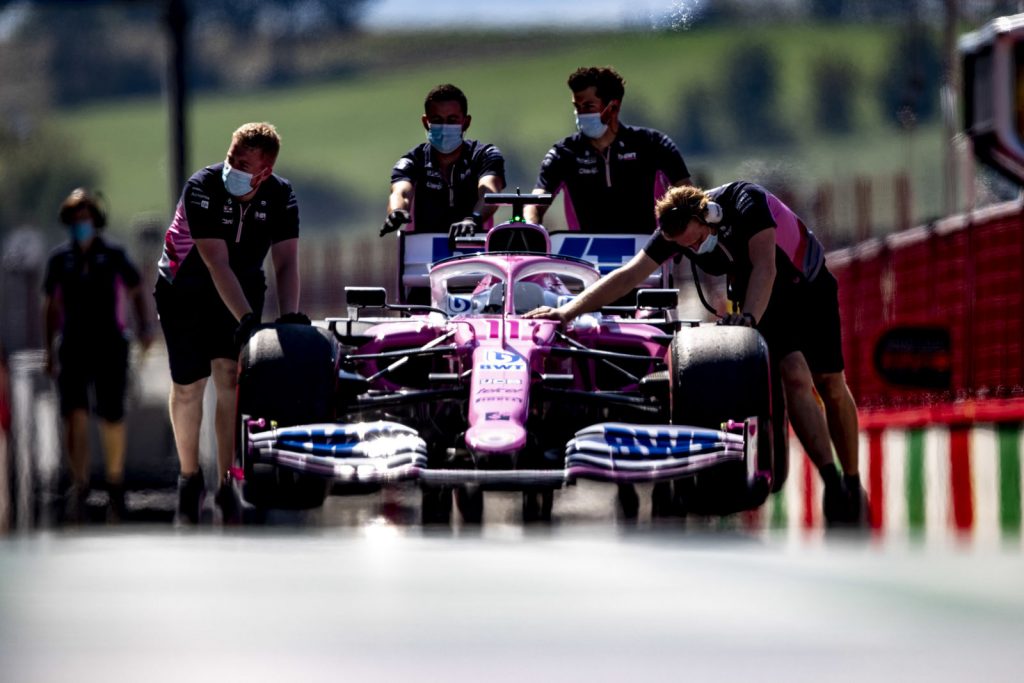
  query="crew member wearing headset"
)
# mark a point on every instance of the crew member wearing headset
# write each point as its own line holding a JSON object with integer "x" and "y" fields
{"x": 779, "y": 285}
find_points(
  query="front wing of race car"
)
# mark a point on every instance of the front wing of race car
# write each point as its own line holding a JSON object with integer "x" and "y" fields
{"x": 385, "y": 452}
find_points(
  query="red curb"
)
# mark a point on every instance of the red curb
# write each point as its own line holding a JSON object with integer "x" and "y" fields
{"x": 960, "y": 477}
{"x": 876, "y": 478}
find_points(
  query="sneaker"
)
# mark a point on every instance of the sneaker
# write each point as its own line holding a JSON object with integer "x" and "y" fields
{"x": 115, "y": 508}
{"x": 75, "y": 510}
{"x": 191, "y": 493}
{"x": 857, "y": 500}
{"x": 835, "y": 502}
{"x": 227, "y": 500}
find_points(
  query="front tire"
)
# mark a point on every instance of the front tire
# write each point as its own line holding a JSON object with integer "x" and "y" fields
{"x": 721, "y": 373}
{"x": 286, "y": 374}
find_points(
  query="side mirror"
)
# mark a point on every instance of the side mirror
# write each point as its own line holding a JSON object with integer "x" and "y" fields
{"x": 366, "y": 297}
{"x": 657, "y": 298}
{"x": 992, "y": 59}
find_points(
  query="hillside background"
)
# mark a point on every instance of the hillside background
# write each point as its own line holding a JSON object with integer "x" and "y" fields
{"x": 797, "y": 95}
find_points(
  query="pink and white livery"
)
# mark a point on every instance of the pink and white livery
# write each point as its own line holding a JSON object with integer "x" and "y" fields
{"x": 466, "y": 395}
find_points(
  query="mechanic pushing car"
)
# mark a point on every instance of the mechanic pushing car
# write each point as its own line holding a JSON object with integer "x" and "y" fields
{"x": 439, "y": 186}
{"x": 612, "y": 173}
{"x": 779, "y": 282}
{"x": 86, "y": 278}
{"x": 210, "y": 293}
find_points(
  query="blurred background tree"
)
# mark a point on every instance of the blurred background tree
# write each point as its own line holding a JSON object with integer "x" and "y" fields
{"x": 811, "y": 84}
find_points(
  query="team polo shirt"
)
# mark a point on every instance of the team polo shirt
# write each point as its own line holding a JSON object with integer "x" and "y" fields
{"x": 614, "y": 190}
{"x": 89, "y": 286}
{"x": 206, "y": 211}
{"x": 747, "y": 209}
{"x": 440, "y": 199}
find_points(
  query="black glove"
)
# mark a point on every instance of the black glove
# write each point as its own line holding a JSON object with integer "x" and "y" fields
{"x": 394, "y": 221}
{"x": 296, "y": 318}
{"x": 738, "y": 319}
{"x": 467, "y": 227}
{"x": 246, "y": 326}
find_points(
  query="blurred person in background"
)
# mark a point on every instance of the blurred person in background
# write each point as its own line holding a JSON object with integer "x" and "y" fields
{"x": 611, "y": 173}
{"x": 780, "y": 285}
{"x": 5, "y": 408}
{"x": 86, "y": 280}
{"x": 210, "y": 291}
{"x": 439, "y": 186}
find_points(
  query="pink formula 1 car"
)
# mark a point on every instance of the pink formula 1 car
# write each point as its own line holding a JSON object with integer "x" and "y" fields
{"x": 465, "y": 395}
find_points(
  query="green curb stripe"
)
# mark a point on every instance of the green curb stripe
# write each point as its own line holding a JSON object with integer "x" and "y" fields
{"x": 915, "y": 479}
{"x": 778, "y": 520}
{"x": 1009, "y": 478}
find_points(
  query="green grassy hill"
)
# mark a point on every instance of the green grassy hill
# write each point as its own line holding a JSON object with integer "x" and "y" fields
{"x": 341, "y": 137}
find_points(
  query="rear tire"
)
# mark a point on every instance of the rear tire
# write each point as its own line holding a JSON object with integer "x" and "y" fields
{"x": 721, "y": 373}
{"x": 436, "y": 505}
{"x": 286, "y": 374}
{"x": 537, "y": 505}
{"x": 469, "y": 499}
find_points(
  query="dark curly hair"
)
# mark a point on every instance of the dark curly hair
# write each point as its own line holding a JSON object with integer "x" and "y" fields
{"x": 607, "y": 80}
{"x": 446, "y": 92}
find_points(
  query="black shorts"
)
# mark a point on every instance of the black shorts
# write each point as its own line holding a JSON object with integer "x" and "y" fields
{"x": 104, "y": 366}
{"x": 804, "y": 316}
{"x": 197, "y": 328}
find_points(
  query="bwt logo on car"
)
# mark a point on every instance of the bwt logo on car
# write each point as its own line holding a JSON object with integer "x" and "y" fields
{"x": 500, "y": 360}
{"x": 646, "y": 439}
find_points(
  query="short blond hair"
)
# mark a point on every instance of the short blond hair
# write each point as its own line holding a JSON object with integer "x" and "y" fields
{"x": 262, "y": 136}
{"x": 678, "y": 206}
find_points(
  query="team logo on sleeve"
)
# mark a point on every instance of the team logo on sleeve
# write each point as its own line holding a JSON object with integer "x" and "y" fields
{"x": 197, "y": 198}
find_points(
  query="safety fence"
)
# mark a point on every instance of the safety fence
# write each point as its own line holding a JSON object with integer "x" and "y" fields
{"x": 944, "y": 459}
{"x": 962, "y": 277}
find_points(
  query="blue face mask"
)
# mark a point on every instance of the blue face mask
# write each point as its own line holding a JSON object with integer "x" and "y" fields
{"x": 709, "y": 244}
{"x": 590, "y": 125}
{"x": 236, "y": 182}
{"x": 82, "y": 231}
{"x": 444, "y": 137}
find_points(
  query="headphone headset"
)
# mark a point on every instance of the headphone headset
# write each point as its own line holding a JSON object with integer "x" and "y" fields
{"x": 713, "y": 213}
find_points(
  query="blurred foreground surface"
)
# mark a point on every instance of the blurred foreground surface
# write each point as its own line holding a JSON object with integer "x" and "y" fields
{"x": 378, "y": 601}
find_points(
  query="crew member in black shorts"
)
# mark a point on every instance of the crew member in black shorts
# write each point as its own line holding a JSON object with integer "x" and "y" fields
{"x": 210, "y": 292}
{"x": 86, "y": 281}
{"x": 780, "y": 284}
{"x": 439, "y": 186}
{"x": 611, "y": 173}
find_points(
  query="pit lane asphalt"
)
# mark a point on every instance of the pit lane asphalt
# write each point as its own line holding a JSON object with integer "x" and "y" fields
{"x": 360, "y": 590}
{"x": 379, "y": 601}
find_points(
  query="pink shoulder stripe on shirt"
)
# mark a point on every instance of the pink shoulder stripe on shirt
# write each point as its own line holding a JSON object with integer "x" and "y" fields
{"x": 790, "y": 232}
{"x": 572, "y": 221}
{"x": 178, "y": 242}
